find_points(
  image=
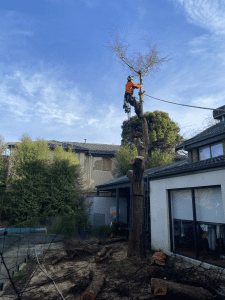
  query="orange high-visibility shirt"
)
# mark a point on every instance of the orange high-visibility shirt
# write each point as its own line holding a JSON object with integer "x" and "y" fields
{"x": 129, "y": 87}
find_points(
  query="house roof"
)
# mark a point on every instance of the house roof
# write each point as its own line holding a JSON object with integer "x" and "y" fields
{"x": 210, "y": 132}
{"x": 170, "y": 170}
{"x": 125, "y": 179}
{"x": 93, "y": 149}
{"x": 192, "y": 167}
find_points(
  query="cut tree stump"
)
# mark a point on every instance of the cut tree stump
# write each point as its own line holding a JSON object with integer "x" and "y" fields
{"x": 178, "y": 289}
{"x": 160, "y": 290}
{"x": 95, "y": 286}
{"x": 158, "y": 258}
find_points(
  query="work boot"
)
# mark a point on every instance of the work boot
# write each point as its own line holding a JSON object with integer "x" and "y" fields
{"x": 125, "y": 105}
{"x": 127, "y": 110}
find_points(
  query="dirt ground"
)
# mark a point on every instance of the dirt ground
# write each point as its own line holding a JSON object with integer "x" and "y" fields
{"x": 126, "y": 278}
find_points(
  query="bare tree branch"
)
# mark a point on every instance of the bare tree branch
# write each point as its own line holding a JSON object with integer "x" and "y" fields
{"x": 143, "y": 65}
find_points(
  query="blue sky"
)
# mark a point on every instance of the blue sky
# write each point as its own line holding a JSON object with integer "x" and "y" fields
{"x": 59, "y": 80}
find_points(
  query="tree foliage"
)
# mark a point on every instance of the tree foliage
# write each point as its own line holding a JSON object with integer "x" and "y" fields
{"x": 3, "y": 162}
{"x": 42, "y": 187}
{"x": 123, "y": 156}
{"x": 163, "y": 135}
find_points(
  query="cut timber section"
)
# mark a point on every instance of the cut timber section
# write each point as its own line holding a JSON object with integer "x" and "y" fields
{"x": 178, "y": 289}
{"x": 98, "y": 280}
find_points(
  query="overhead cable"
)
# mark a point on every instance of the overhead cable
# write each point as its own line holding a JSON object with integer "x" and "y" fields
{"x": 185, "y": 104}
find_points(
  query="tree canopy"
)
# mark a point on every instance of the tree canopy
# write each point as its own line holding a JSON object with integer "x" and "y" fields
{"x": 163, "y": 133}
{"x": 3, "y": 162}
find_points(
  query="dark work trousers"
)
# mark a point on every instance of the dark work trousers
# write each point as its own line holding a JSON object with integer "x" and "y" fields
{"x": 137, "y": 107}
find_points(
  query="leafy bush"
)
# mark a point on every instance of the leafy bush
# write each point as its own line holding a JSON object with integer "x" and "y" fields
{"x": 40, "y": 186}
{"x": 103, "y": 231}
{"x": 70, "y": 224}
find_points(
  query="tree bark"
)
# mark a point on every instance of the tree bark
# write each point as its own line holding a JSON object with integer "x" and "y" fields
{"x": 181, "y": 290}
{"x": 136, "y": 245}
{"x": 144, "y": 122}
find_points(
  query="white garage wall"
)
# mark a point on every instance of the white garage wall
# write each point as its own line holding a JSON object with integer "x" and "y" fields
{"x": 100, "y": 211}
{"x": 159, "y": 202}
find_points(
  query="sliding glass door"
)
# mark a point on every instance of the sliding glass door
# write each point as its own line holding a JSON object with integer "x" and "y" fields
{"x": 199, "y": 232}
{"x": 182, "y": 222}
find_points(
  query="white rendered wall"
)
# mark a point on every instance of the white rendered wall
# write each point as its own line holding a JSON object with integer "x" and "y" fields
{"x": 102, "y": 205}
{"x": 159, "y": 202}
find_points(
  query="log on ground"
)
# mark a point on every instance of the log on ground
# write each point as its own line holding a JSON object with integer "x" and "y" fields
{"x": 177, "y": 289}
{"x": 160, "y": 290}
{"x": 109, "y": 241}
{"x": 103, "y": 251}
{"x": 98, "y": 259}
{"x": 95, "y": 286}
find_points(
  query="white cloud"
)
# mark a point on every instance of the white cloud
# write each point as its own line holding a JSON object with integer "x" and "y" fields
{"x": 91, "y": 121}
{"x": 207, "y": 14}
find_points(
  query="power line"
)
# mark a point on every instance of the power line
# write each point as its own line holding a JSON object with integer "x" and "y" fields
{"x": 184, "y": 104}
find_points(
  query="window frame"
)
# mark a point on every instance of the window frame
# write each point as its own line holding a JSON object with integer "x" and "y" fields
{"x": 195, "y": 222}
{"x": 210, "y": 148}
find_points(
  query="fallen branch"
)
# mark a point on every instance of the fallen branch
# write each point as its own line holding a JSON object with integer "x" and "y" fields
{"x": 103, "y": 251}
{"x": 70, "y": 254}
{"x": 178, "y": 289}
{"x": 111, "y": 240}
{"x": 98, "y": 259}
{"x": 95, "y": 286}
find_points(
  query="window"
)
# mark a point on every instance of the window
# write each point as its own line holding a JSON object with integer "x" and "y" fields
{"x": 210, "y": 151}
{"x": 209, "y": 239}
{"x": 182, "y": 222}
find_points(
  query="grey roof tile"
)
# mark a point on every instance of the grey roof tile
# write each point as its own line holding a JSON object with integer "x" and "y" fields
{"x": 206, "y": 164}
{"x": 210, "y": 132}
{"x": 99, "y": 149}
{"x": 124, "y": 179}
{"x": 179, "y": 167}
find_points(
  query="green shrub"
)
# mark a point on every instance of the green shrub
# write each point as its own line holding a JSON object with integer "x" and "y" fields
{"x": 71, "y": 224}
{"x": 103, "y": 231}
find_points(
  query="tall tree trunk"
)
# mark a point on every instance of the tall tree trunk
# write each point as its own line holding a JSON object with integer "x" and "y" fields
{"x": 136, "y": 243}
{"x": 144, "y": 123}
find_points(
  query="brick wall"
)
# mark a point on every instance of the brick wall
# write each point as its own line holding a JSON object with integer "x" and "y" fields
{"x": 189, "y": 155}
{"x": 194, "y": 154}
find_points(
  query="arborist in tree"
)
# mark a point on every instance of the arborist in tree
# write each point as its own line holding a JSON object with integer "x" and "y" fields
{"x": 128, "y": 97}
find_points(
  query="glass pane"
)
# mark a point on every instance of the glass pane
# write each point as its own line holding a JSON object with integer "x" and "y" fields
{"x": 181, "y": 201}
{"x": 182, "y": 222}
{"x": 217, "y": 149}
{"x": 204, "y": 153}
{"x": 209, "y": 205}
{"x": 211, "y": 243}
